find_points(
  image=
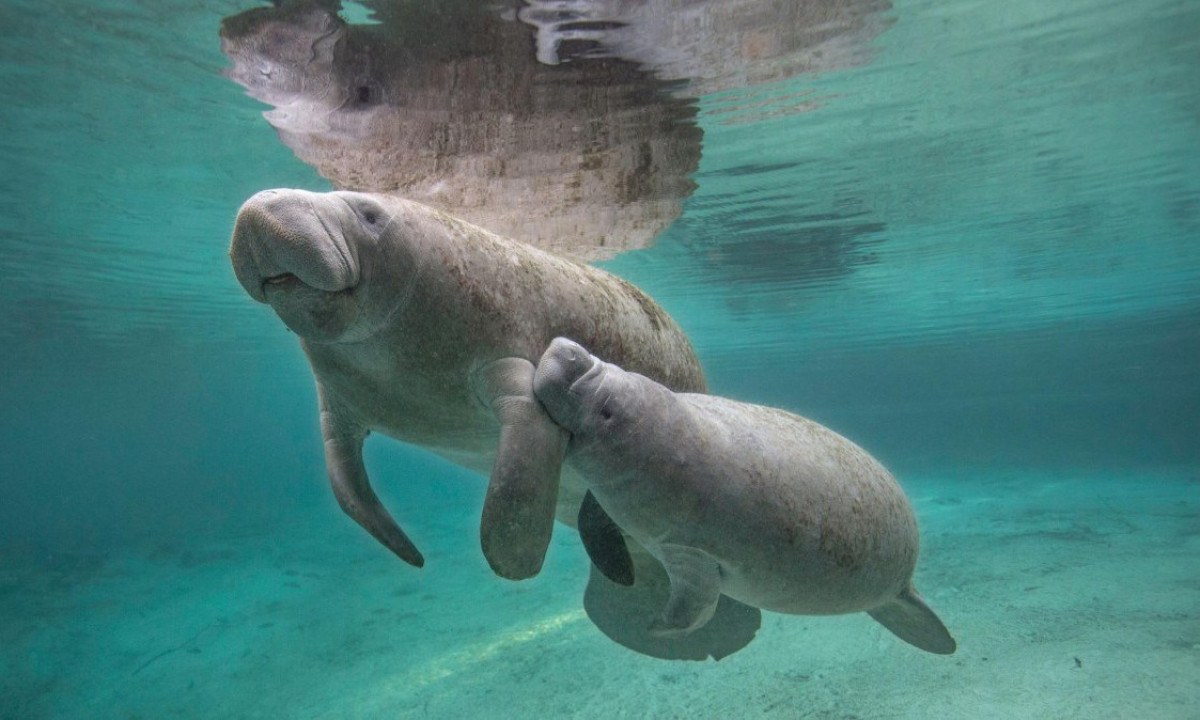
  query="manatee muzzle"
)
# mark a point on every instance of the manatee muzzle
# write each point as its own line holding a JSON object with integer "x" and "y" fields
{"x": 562, "y": 375}
{"x": 285, "y": 238}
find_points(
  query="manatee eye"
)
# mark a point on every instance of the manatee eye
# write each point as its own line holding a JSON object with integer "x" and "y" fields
{"x": 370, "y": 216}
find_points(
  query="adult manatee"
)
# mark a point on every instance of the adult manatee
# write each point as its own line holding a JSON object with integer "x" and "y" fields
{"x": 425, "y": 328}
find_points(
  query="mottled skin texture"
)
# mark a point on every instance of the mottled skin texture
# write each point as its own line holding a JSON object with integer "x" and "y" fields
{"x": 777, "y": 511}
{"x": 804, "y": 521}
{"x": 425, "y": 328}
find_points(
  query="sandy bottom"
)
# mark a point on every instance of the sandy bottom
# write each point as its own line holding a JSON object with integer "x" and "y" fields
{"x": 1072, "y": 596}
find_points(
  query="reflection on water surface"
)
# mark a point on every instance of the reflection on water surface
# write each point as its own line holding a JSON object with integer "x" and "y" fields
{"x": 585, "y": 145}
{"x": 840, "y": 177}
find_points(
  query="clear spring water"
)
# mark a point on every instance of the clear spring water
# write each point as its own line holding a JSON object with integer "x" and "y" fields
{"x": 964, "y": 234}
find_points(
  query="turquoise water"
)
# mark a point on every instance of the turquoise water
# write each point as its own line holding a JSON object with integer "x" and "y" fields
{"x": 965, "y": 235}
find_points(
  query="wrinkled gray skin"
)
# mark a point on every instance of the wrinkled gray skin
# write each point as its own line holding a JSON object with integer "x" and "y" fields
{"x": 743, "y": 500}
{"x": 425, "y": 328}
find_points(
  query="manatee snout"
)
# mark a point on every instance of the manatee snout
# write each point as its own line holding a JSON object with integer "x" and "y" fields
{"x": 295, "y": 251}
{"x": 557, "y": 380}
{"x": 281, "y": 236}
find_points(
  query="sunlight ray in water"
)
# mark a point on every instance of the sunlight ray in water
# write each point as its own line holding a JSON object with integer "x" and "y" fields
{"x": 464, "y": 659}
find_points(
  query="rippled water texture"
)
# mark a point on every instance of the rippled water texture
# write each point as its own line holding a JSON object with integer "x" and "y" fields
{"x": 964, "y": 234}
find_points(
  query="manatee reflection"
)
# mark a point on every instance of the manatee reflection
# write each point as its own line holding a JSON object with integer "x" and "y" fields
{"x": 445, "y": 103}
{"x": 567, "y": 124}
{"x": 713, "y": 44}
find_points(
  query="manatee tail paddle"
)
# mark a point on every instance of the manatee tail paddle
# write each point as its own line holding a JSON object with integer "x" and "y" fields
{"x": 911, "y": 620}
{"x": 626, "y": 613}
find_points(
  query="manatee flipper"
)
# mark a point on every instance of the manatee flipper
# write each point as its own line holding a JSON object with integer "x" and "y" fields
{"x": 625, "y": 614}
{"x": 352, "y": 486}
{"x": 695, "y": 588}
{"x": 604, "y": 542}
{"x": 911, "y": 620}
{"x": 518, "y": 511}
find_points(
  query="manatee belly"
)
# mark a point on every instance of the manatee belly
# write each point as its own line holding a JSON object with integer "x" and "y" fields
{"x": 470, "y": 441}
{"x": 840, "y": 565}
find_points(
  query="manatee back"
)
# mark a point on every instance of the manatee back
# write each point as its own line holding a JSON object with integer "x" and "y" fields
{"x": 810, "y": 522}
{"x": 514, "y": 299}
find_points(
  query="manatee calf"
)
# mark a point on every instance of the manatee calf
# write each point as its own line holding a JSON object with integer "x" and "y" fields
{"x": 751, "y": 502}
